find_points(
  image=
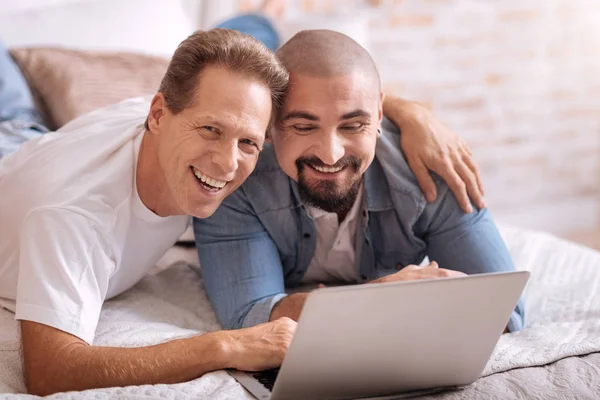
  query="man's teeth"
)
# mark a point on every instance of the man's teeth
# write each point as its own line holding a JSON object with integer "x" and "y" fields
{"x": 327, "y": 169}
{"x": 208, "y": 180}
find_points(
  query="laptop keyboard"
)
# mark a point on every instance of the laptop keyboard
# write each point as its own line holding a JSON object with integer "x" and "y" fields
{"x": 266, "y": 378}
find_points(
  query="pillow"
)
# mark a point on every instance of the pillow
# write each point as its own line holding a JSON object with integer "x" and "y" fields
{"x": 71, "y": 83}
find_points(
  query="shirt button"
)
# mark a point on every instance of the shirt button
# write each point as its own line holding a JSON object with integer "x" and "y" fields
{"x": 298, "y": 272}
{"x": 364, "y": 277}
{"x": 306, "y": 235}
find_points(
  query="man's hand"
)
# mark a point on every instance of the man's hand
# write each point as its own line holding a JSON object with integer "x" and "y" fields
{"x": 262, "y": 346}
{"x": 413, "y": 272}
{"x": 430, "y": 145}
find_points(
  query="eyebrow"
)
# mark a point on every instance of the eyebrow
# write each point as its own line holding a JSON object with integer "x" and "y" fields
{"x": 300, "y": 114}
{"x": 354, "y": 114}
{"x": 311, "y": 117}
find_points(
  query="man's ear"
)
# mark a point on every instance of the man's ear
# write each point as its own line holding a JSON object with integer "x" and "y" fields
{"x": 269, "y": 135}
{"x": 158, "y": 109}
{"x": 380, "y": 111}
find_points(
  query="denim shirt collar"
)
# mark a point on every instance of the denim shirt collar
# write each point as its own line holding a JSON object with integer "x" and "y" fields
{"x": 377, "y": 190}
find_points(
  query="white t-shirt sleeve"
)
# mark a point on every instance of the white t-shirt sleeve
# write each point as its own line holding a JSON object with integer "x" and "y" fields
{"x": 64, "y": 271}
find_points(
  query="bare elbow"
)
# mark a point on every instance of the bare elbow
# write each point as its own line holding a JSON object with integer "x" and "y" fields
{"x": 39, "y": 390}
{"x": 38, "y": 382}
{"x": 50, "y": 377}
{"x": 48, "y": 356}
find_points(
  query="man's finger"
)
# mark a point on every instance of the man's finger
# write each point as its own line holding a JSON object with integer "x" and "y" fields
{"x": 466, "y": 149}
{"x": 455, "y": 274}
{"x": 424, "y": 178}
{"x": 468, "y": 160}
{"x": 472, "y": 187}
{"x": 433, "y": 264}
{"x": 456, "y": 185}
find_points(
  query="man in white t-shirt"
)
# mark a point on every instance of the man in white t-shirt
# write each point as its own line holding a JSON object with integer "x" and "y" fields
{"x": 86, "y": 211}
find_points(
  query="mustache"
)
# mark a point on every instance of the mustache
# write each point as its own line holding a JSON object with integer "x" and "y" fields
{"x": 314, "y": 161}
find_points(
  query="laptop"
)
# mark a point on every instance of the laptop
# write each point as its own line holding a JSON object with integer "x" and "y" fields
{"x": 392, "y": 340}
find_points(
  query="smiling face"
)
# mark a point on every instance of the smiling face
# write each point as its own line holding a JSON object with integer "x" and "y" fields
{"x": 207, "y": 150}
{"x": 326, "y": 134}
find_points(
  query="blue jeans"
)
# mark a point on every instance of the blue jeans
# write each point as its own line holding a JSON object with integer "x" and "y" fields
{"x": 20, "y": 121}
{"x": 256, "y": 26}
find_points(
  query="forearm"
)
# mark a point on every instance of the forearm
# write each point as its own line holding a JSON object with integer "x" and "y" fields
{"x": 290, "y": 306}
{"x": 402, "y": 112}
{"x": 85, "y": 367}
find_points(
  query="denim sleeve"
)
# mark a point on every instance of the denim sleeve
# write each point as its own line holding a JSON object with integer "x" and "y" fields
{"x": 464, "y": 242}
{"x": 240, "y": 264}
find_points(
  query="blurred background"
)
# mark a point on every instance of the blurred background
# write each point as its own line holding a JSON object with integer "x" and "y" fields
{"x": 519, "y": 80}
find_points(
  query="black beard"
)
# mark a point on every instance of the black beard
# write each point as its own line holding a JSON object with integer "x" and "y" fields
{"x": 328, "y": 195}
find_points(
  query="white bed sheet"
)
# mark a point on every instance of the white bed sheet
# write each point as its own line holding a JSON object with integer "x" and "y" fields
{"x": 562, "y": 306}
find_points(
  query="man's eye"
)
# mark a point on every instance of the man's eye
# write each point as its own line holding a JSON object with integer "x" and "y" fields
{"x": 250, "y": 145}
{"x": 248, "y": 141}
{"x": 303, "y": 128}
{"x": 352, "y": 127}
{"x": 209, "y": 128}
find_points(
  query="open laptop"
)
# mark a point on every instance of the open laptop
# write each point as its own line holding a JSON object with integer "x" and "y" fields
{"x": 393, "y": 339}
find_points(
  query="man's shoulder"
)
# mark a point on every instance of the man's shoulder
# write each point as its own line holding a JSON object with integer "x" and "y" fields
{"x": 90, "y": 168}
{"x": 394, "y": 164}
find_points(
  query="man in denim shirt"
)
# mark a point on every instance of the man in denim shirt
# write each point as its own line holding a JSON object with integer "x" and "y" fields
{"x": 334, "y": 200}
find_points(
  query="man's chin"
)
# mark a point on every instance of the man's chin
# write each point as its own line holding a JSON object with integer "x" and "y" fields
{"x": 330, "y": 201}
{"x": 328, "y": 195}
{"x": 204, "y": 211}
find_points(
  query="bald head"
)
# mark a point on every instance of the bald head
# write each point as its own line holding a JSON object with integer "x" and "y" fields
{"x": 324, "y": 53}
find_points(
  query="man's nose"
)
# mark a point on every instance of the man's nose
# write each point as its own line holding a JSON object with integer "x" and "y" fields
{"x": 226, "y": 157}
{"x": 331, "y": 149}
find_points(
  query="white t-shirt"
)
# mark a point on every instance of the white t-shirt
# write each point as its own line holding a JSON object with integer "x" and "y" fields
{"x": 73, "y": 230}
{"x": 334, "y": 258}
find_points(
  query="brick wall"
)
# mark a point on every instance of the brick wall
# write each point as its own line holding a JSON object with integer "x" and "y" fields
{"x": 520, "y": 80}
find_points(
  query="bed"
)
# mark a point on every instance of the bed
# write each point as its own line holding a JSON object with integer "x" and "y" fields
{"x": 556, "y": 356}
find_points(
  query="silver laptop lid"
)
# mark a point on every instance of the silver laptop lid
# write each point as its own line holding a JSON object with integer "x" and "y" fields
{"x": 380, "y": 339}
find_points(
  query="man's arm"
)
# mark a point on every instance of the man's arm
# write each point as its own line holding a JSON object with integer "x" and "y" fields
{"x": 469, "y": 243}
{"x": 430, "y": 145}
{"x": 291, "y": 306}
{"x": 64, "y": 269}
{"x": 241, "y": 265}
{"x": 75, "y": 365}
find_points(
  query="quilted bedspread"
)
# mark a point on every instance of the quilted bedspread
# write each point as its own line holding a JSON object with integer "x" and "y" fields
{"x": 556, "y": 356}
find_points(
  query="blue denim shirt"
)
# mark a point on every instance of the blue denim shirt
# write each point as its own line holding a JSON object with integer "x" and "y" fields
{"x": 262, "y": 239}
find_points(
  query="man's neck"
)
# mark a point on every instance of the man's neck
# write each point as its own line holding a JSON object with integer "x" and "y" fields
{"x": 342, "y": 215}
{"x": 150, "y": 181}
